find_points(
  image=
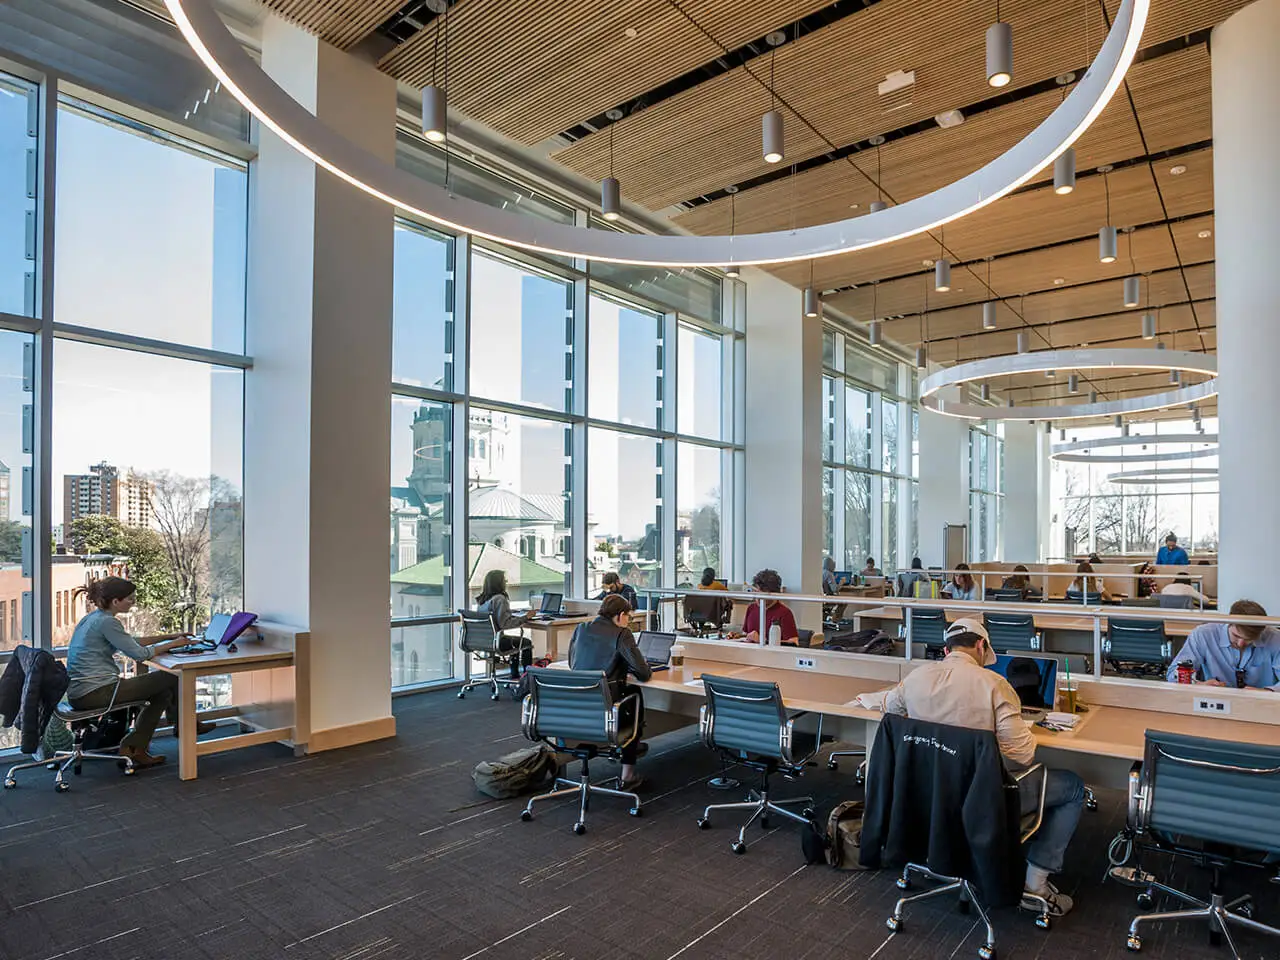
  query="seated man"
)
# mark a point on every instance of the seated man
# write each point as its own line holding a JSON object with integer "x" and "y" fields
{"x": 1171, "y": 553}
{"x": 1233, "y": 655}
{"x": 606, "y": 643}
{"x": 959, "y": 691}
{"x": 776, "y": 613}
{"x": 613, "y": 584}
{"x": 871, "y": 570}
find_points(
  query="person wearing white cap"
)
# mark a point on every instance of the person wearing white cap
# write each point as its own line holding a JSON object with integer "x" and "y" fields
{"x": 959, "y": 691}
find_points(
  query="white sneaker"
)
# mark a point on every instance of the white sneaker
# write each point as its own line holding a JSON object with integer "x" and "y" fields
{"x": 1057, "y": 904}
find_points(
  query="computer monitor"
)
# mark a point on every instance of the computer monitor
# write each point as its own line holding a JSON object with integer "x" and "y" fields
{"x": 655, "y": 646}
{"x": 844, "y": 576}
{"x": 551, "y": 602}
{"x": 1034, "y": 679}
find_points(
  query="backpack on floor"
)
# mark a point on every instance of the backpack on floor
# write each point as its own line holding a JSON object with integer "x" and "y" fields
{"x": 521, "y": 771}
{"x": 839, "y": 843}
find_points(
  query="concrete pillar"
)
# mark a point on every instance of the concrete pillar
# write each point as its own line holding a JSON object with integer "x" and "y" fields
{"x": 1021, "y": 523}
{"x": 318, "y": 400}
{"x": 784, "y": 439}
{"x": 944, "y": 481}
{"x": 1246, "y": 192}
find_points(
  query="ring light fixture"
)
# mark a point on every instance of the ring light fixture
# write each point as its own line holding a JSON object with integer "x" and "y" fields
{"x": 1166, "y": 475}
{"x": 245, "y": 80}
{"x": 1086, "y": 359}
{"x": 1207, "y": 444}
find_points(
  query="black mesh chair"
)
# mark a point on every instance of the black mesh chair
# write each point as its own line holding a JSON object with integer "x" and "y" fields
{"x": 1137, "y": 646}
{"x": 481, "y": 639}
{"x": 706, "y": 614}
{"x": 574, "y": 712}
{"x": 747, "y": 723}
{"x": 1007, "y": 595}
{"x": 928, "y": 626}
{"x": 1077, "y": 596}
{"x": 1177, "y": 601}
{"x": 1011, "y": 631}
{"x": 1213, "y": 802}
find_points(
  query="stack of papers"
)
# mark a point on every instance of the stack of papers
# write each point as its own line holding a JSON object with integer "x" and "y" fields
{"x": 1057, "y": 720}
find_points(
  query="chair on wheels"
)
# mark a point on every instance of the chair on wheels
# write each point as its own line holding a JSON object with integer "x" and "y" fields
{"x": 928, "y": 626}
{"x": 482, "y": 639}
{"x": 1011, "y": 631}
{"x": 745, "y": 721}
{"x": 1091, "y": 598}
{"x": 706, "y": 615}
{"x": 1141, "y": 643}
{"x": 1176, "y": 601}
{"x": 574, "y": 712}
{"x": 1212, "y": 802}
{"x": 915, "y": 735}
{"x": 80, "y": 722}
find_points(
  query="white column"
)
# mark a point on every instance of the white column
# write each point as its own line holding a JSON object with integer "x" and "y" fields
{"x": 1022, "y": 454}
{"x": 944, "y": 481}
{"x": 1246, "y": 192}
{"x": 317, "y": 402}
{"x": 784, "y": 439}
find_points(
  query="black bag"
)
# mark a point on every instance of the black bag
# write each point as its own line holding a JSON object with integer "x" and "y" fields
{"x": 859, "y": 641}
{"x": 106, "y": 732}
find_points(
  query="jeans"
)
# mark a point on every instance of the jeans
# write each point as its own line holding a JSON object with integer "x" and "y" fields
{"x": 1063, "y": 801}
{"x": 157, "y": 687}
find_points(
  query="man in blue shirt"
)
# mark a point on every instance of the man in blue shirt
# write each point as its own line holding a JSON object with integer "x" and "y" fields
{"x": 1233, "y": 655}
{"x": 1171, "y": 553}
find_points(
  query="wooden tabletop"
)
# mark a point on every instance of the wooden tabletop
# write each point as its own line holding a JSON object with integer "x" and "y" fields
{"x": 246, "y": 652}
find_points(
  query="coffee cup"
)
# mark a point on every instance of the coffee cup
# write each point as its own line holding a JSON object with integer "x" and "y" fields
{"x": 1068, "y": 697}
{"x": 677, "y": 655}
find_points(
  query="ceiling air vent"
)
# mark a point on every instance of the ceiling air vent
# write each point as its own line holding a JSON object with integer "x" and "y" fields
{"x": 897, "y": 90}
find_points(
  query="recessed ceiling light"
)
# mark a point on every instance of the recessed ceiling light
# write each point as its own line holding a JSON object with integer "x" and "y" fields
{"x": 949, "y": 118}
{"x": 1205, "y": 234}
{"x": 1063, "y": 79}
{"x": 1178, "y": 169}
{"x": 927, "y": 263}
{"x": 1105, "y": 168}
{"x": 1058, "y": 281}
{"x": 876, "y": 140}
{"x": 853, "y": 206}
{"x": 631, "y": 33}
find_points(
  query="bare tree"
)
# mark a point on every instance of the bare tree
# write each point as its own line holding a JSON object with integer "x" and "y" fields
{"x": 180, "y": 506}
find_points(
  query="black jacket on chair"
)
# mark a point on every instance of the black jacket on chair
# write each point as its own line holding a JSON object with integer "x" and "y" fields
{"x": 940, "y": 796}
{"x": 30, "y": 688}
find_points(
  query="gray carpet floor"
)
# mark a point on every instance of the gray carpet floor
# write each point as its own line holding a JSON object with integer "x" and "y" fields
{"x": 387, "y": 851}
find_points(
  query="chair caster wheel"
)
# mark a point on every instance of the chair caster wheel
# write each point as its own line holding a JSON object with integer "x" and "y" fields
{"x": 764, "y": 823}
{"x": 636, "y": 812}
{"x": 129, "y": 770}
{"x": 1245, "y": 910}
{"x": 1043, "y": 921}
{"x": 894, "y": 924}
{"x": 807, "y": 813}
{"x": 526, "y": 816}
{"x": 860, "y": 778}
{"x": 1134, "y": 943}
{"x": 738, "y": 847}
{"x": 703, "y": 823}
{"x": 903, "y": 883}
{"x": 462, "y": 694}
{"x": 1146, "y": 901}
{"x": 494, "y": 697}
{"x": 10, "y": 783}
{"x": 579, "y": 828}
{"x": 61, "y": 787}
{"x": 833, "y": 765}
{"x": 987, "y": 953}
{"x": 1091, "y": 804}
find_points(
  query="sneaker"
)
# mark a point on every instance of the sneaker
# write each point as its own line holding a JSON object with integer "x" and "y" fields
{"x": 1057, "y": 904}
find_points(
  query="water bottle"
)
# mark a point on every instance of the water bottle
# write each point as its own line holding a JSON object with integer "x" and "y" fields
{"x": 775, "y": 635}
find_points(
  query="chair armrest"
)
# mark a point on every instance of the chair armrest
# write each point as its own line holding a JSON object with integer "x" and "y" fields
{"x": 1135, "y": 818}
{"x": 529, "y": 719}
{"x": 1037, "y": 642}
{"x": 614, "y": 722}
{"x": 1044, "y": 784}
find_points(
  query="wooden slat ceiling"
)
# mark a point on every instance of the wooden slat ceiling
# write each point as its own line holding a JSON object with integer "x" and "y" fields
{"x": 343, "y": 23}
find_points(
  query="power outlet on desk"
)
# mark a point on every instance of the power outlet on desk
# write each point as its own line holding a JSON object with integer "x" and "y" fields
{"x": 806, "y": 663}
{"x": 1217, "y": 708}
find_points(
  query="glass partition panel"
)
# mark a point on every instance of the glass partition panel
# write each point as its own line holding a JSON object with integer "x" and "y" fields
{"x": 624, "y": 513}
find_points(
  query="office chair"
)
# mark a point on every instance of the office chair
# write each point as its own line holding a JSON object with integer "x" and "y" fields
{"x": 1173, "y": 601}
{"x": 1075, "y": 596}
{"x": 706, "y": 615}
{"x": 80, "y": 722}
{"x": 1212, "y": 802}
{"x": 574, "y": 712}
{"x": 1011, "y": 631}
{"x": 928, "y": 625}
{"x": 746, "y": 721}
{"x": 481, "y": 638}
{"x": 1006, "y": 595}
{"x": 1141, "y": 643}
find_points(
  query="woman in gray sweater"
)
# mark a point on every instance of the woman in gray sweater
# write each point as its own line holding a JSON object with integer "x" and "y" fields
{"x": 494, "y": 601}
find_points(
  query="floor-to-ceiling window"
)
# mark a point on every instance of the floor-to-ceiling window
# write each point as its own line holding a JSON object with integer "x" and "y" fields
{"x": 986, "y": 490}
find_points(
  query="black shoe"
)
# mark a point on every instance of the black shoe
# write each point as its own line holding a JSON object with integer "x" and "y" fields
{"x": 632, "y": 785}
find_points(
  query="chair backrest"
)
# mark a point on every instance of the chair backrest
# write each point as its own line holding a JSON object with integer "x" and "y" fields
{"x": 569, "y": 705}
{"x": 1006, "y": 594}
{"x": 1175, "y": 601}
{"x": 702, "y": 610}
{"x": 1011, "y": 631}
{"x": 928, "y": 625}
{"x": 1077, "y": 596}
{"x": 804, "y": 637}
{"x": 1216, "y": 790}
{"x": 746, "y": 716}
{"x": 1137, "y": 641}
{"x": 479, "y": 633}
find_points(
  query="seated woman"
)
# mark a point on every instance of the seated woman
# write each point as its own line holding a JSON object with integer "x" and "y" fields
{"x": 871, "y": 570}
{"x": 1147, "y": 581}
{"x": 1087, "y": 585}
{"x": 1020, "y": 580}
{"x": 776, "y": 612}
{"x": 606, "y": 643}
{"x": 1182, "y": 587}
{"x": 95, "y": 681}
{"x": 961, "y": 586}
{"x": 908, "y": 579}
{"x": 494, "y": 601}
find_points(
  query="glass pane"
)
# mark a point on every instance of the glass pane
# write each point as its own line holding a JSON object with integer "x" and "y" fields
{"x": 521, "y": 334}
{"x": 421, "y": 653}
{"x": 692, "y": 292}
{"x": 1108, "y": 521}
{"x": 857, "y": 425}
{"x": 421, "y": 513}
{"x": 13, "y": 524}
{"x": 857, "y": 520}
{"x": 150, "y": 236}
{"x": 1173, "y": 515}
{"x": 889, "y": 435}
{"x": 518, "y": 494}
{"x": 625, "y": 381}
{"x": 624, "y": 476}
{"x": 828, "y": 512}
{"x": 828, "y": 419}
{"x": 828, "y": 348}
{"x": 422, "y": 319}
{"x": 697, "y": 511}
{"x": 158, "y": 501}
{"x": 889, "y": 525}
{"x": 698, "y": 383}
{"x": 915, "y": 520}
{"x": 17, "y": 204}
{"x": 1140, "y": 521}
{"x": 869, "y": 369}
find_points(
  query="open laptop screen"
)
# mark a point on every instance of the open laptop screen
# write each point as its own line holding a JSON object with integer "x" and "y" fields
{"x": 551, "y": 602}
{"x": 655, "y": 646}
{"x": 1034, "y": 679}
{"x": 218, "y": 624}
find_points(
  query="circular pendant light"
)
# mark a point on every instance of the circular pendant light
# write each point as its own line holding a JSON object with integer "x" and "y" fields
{"x": 1134, "y": 449}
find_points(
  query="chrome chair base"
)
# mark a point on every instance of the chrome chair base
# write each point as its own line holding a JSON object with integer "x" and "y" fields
{"x": 968, "y": 897}
{"x": 584, "y": 788}
{"x": 761, "y": 806}
{"x": 492, "y": 680}
{"x": 1217, "y": 912}
{"x": 62, "y": 761}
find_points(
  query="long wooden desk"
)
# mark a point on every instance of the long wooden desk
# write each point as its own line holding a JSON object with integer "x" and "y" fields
{"x": 551, "y": 637}
{"x": 250, "y": 656}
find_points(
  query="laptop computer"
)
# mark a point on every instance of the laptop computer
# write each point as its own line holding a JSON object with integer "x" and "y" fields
{"x": 1034, "y": 680}
{"x": 656, "y": 647}
{"x": 222, "y": 631}
{"x": 550, "y": 608}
